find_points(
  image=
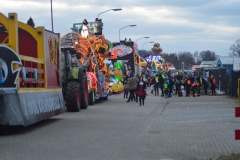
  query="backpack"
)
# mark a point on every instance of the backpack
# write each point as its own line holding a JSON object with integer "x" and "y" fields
{"x": 214, "y": 81}
{"x": 151, "y": 81}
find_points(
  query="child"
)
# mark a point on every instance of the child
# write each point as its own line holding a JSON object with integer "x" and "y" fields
{"x": 166, "y": 88}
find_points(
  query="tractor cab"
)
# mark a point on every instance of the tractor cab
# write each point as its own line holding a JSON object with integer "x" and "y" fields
{"x": 74, "y": 79}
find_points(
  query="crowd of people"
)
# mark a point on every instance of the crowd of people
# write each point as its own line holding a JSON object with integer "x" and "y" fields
{"x": 167, "y": 84}
{"x": 135, "y": 88}
{"x": 181, "y": 85}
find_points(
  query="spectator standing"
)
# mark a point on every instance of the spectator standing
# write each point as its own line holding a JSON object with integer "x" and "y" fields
{"x": 188, "y": 86}
{"x": 205, "y": 84}
{"x": 213, "y": 85}
{"x": 161, "y": 82}
{"x": 156, "y": 84}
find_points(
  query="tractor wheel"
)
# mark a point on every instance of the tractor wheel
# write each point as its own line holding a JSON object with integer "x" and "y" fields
{"x": 91, "y": 97}
{"x": 84, "y": 87}
{"x": 73, "y": 96}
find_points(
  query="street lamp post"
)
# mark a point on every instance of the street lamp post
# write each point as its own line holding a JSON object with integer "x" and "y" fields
{"x": 51, "y": 14}
{"x": 141, "y": 38}
{"x": 118, "y": 9}
{"x": 125, "y": 27}
{"x": 146, "y": 43}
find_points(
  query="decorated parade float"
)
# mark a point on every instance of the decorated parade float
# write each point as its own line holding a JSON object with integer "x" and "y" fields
{"x": 156, "y": 61}
{"x": 85, "y": 50}
{"x": 30, "y": 87}
{"x": 124, "y": 55}
{"x": 127, "y": 53}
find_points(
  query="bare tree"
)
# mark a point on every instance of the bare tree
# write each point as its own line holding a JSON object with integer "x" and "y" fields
{"x": 187, "y": 59}
{"x": 208, "y": 55}
{"x": 235, "y": 48}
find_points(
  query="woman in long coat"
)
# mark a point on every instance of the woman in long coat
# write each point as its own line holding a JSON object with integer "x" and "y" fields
{"x": 141, "y": 91}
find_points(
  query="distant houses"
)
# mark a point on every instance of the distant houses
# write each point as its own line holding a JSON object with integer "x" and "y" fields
{"x": 230, "y": 63}
{"x": 207, "y": 64}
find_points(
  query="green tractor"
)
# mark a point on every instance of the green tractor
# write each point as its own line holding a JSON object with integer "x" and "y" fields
{"x": 74, "y": 80}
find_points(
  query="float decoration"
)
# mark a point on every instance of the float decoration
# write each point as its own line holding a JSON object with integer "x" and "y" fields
{"x": 120, "y": 50}
{"x": 157, "y": 49}
{"x": 118, "y": 72}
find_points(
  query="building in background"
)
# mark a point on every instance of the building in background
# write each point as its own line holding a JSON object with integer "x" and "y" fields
{"x": 230, "y": 63}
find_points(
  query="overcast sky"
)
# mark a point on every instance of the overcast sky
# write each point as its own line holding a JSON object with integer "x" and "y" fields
{"x": 178, "y": 25}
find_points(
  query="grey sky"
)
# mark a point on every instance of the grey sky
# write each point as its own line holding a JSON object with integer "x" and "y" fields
{"x": 178, "y": 25}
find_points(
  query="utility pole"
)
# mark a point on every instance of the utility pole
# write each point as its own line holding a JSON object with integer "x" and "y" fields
{"x": 51, "y": 15}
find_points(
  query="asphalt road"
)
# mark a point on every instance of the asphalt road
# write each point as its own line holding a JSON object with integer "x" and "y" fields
{"x": 175, "y": 128}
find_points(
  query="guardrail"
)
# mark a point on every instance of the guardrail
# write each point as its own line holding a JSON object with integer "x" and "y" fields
{"x": 32, "y": 72}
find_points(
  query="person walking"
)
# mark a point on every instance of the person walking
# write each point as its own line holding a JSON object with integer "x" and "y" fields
{"x": 141, "y": 91}
{"x": 136, "y": 98}
{"x": 145, "y": 81}
{"x": 133, "y": 81}
{"x": 126, "y": 87}
{"x": 151, "y": 84}
{"x": 213, "y": 85}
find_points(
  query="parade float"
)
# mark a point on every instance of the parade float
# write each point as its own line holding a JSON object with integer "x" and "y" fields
{"x": 30, "y": 87}
{"x": 127, "y": 53}
{"x": 124, "y": 55}
{"x": 88, "y": 53}
{"x": 116, "y": 77}
{"x": 156, "y": 61}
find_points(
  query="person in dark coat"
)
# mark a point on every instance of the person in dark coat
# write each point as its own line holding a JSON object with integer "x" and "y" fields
{"x": 132, "y": 87}
{"x": 187, "y": 85}
{"x": 179, "y": 83}
{"x": 205, "y": 84}
{"x": 161, "y": 82}
{"x": 156, "y": 84}
{"x": 213, "y": 85}
{"x": 141, "y": 91}
{"x": 172, "y": 81}
{"x": 199, "y": 81}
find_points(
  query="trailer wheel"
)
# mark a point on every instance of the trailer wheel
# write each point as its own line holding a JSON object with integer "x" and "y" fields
{"x": 4, "y": 129}
{"x": 73, "y": 96}
{"x": 91, "y": 98}
{"x": 105, "y": 98}
{"x": 84, "y": 87}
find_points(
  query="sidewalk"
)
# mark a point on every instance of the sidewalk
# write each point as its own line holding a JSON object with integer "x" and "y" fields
{"x": 194, "y": 127}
